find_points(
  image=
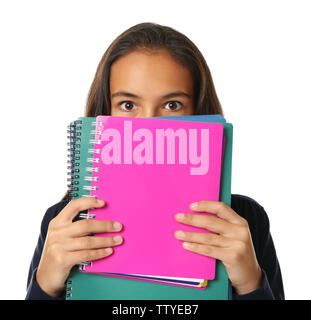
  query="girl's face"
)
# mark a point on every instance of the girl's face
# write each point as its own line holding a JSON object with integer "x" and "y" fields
{"x": 150, "y": 84}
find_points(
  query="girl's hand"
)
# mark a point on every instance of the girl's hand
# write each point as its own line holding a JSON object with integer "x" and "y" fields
{"x": 68, "y": 243}
{"x": 231, "y": 243}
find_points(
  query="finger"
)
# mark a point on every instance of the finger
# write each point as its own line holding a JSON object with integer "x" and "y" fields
{"x": 88, "y": 243}
{"x": 77, "y": 257}
{"x": 207, "y": 250}
{"x": 88, "y": 226}
{"x": 219, "y": 208}
{"x": 77, "y": 205}
{"x": 208, "y": 222}
{"x": 203, "y": 238}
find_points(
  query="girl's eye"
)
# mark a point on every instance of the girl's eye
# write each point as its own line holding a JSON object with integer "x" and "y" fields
{"x": 173, "y": 105}
{"x": 127, "y": 106}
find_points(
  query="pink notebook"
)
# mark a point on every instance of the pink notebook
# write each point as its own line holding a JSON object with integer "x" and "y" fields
{"x": 147, "y": 170}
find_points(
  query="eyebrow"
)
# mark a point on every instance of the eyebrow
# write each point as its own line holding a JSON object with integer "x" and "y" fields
{"x": 167, "y": 96}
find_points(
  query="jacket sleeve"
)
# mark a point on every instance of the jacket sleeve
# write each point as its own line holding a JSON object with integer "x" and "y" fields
{"x": 271, "y": 283}
{"x": 34, "y": 292}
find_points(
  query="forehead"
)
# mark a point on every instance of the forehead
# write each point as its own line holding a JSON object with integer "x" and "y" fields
{"x": 148, "y": 71}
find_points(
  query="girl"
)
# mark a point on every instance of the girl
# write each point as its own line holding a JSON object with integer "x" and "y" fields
{"x": 153, "y": 70}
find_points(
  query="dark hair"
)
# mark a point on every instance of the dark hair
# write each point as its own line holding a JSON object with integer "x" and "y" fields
{"x": 153, "y": 36}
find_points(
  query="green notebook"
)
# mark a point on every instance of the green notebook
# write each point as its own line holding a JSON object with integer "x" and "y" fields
{"x": 83, "y": 286}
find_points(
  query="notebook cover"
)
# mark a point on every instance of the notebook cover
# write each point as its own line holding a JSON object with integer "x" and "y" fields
{"x": 82, "y": 286}
{"x": 201, "y": 284}
{"x": 135, "y": 163}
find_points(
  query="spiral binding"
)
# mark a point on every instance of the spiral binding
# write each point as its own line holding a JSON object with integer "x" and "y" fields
{"x": 91, "y": 169}
{"x": 74, "y": 165}
{"x": 71, "y": 131}
{"x": 74, "y": 175}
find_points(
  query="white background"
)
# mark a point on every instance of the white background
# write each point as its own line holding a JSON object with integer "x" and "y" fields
{"x": 259, "y": 54}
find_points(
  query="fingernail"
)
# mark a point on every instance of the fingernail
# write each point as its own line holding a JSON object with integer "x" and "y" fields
{"x": 180, "y": 234}
{"x": 187, "y": 245}
{"x": 117, "y": 239}
{"x": 180, "y": 216}
{"x": 117, "y": 226}
{"x": 108, "y": 250}
{"x": 101, "y": 202}
{"x": 194, "y": 205}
